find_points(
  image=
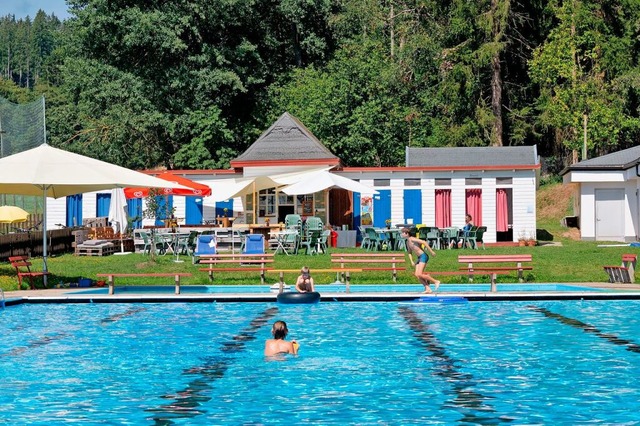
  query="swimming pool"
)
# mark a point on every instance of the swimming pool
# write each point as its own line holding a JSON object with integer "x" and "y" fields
{"x": 340, "y": 288}
{"x": 360, "y": 363}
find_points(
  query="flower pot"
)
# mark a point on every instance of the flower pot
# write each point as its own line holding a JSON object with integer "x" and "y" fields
{"x": 522, "y": 243}
{"x": 532, "y": 243}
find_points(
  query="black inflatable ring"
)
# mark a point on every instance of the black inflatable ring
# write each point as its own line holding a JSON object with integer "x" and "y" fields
{"x": 295, "y": 297}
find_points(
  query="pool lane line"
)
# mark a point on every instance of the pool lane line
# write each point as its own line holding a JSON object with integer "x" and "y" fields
{"x": 187, "y": 402}
{"x": 115, "y": 317}
{"x": 588, "y": 328}
{"x": 45, "y": 340}
{"x": 465, "y": 396}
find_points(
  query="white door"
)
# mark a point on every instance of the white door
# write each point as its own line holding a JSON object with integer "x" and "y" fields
{"x": 609, "y": 214}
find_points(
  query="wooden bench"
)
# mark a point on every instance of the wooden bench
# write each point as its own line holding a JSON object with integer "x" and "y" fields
{"x": 371, "y": 262}
{"x": 111, "y": 278}
{"x": 624, "y": 273}
{"x": 20, "y": 262}
{"x": 483, "y": 265}
{"x": 345, "y": 271}
{"x": 253, "y": 262}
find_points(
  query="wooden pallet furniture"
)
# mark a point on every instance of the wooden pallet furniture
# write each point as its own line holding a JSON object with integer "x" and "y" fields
{"x": 243, "y": 263}
{"x": 112, "y": 276}
{"x": 624, "y": 273}
{"x": 95, "y": 248}
{"x": 371, "y": 262}
{"x": 22, "y": 264}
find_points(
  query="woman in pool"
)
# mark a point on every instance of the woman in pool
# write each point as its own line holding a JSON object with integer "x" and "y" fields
{"x": 304, "y": 283}
{"x": 278, "y": 345}
{"x": 415, "y": 246}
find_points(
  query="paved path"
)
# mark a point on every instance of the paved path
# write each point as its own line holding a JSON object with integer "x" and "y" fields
{"x": 613, "y": 291}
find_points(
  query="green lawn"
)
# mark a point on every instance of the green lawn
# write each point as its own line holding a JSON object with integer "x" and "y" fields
{"x": 574, "y": 261}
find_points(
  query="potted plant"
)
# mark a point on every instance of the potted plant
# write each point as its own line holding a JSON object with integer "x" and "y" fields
{"x": 522, "y": 238}
{"x": 531, "y": 241}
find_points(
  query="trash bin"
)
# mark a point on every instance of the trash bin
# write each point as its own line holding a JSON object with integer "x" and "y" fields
{"x": 334, "y": 238}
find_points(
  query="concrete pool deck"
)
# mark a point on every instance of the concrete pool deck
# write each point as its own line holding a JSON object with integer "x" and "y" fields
{"x": 602, "y": 291}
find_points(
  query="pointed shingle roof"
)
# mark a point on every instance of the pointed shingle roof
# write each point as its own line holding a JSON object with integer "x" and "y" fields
{"x": 287, "y": 140}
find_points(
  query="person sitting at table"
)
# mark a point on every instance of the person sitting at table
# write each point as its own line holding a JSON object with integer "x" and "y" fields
{"x": 304, "y": 283}
{"x": 464, "y": 232}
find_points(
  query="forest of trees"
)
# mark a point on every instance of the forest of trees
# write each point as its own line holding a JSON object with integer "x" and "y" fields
{"x": 191, "y": 83}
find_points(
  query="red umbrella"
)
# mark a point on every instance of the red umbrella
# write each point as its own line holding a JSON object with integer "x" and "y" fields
{"x": 197, "y": 189}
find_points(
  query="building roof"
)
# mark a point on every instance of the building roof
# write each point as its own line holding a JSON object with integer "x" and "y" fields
{"x": 286, "y": 141}
{"x": 620, "y": 160}
{"x": 494, "y": 156}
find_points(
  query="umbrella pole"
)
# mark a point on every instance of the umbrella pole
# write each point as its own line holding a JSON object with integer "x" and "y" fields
{"x": 44, "y": 235}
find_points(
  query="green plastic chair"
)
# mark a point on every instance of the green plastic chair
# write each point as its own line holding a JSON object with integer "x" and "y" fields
{"x": 311, "y": 243}
{"x": 476, "y": 237}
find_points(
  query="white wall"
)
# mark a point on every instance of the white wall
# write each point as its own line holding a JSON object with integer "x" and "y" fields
{"x": 523, "y": 189}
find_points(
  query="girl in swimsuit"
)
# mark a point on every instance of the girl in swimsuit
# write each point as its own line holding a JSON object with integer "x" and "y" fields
{"x": 278, "y": 345}
{"x": 414, "y": 245}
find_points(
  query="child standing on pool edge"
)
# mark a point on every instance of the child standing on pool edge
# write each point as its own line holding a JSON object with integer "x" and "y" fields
{"x": 278, "y": 345}
{"x": 414, "y": 245}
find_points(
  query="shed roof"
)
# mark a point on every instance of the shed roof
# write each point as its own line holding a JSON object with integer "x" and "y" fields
{"x": 620, "y": 160}
{"x": 287, "y": 140}
{"x": 490, "y": 156}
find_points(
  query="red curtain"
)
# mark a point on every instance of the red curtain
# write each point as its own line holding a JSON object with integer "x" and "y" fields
{"x": 502, "y": 211}
{"x": 443, "y": 208}
{"x": 474, "y": 205}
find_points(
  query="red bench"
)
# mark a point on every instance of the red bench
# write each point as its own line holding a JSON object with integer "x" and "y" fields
{"x": 20, "y": 262}
{"x": 371, "y": 262}
{"x": 111, "y": 278}
{"x": 485, "y": 265}
{"x": 251, "y": 262}
{"x": 626, "y": 273}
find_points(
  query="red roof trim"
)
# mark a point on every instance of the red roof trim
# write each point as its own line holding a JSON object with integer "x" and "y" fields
{"x": 322, "y": 161}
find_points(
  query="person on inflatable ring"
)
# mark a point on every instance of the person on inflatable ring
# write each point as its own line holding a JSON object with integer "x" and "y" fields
{"x": 304, "y": 283}
{"x": 278, "y": 345}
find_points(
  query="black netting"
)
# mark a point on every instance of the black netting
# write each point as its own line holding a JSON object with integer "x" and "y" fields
{"x": 22, "y": 126}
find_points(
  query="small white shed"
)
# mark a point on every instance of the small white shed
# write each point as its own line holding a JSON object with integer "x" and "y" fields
{"x": 606, "y": 198}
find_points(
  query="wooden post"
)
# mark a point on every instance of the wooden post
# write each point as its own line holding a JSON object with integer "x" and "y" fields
{"x": 494, "y": 287}
{"x": 177, "y": 278}
{"x": 347, "y": 281}
{"x": 281, "y": 289}
{"x": 111, "y": 284}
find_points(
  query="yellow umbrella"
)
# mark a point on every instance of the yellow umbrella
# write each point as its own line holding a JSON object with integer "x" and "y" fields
{"x": 12, "y": 214}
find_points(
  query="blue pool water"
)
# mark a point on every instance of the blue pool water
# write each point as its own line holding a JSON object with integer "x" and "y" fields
{"x": 360, "y": 363}
{"x": 401, "y": 288}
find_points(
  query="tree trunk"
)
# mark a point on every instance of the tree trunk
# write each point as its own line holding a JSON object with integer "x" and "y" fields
{"x": 498, "y": 29}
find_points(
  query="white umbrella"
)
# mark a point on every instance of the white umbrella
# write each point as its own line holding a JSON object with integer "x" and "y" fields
{"x": 323, "y": 179}
{"x": 118, "y": 213}
{"x": 50, "y": 172}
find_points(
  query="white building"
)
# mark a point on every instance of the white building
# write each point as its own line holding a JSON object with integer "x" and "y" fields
{"x": 606, "y": 198}
{"x": 436, "y": 187}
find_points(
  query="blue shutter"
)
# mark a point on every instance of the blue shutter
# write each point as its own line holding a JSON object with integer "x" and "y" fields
{"x": 221, "y": 205}
{"x": 193, "y": 213}
{"x": 165, "y": 203}
{"x": 102, "y": 204}
{"x": 356, "y": 214}
{"x": 74, "y": 210}
{"x": 381, "y": 208}
{"x": 413, "y": 205}
{"x": 134, "y": 210}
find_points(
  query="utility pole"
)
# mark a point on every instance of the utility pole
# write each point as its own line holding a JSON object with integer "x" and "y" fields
{"x": 2, "y": 132}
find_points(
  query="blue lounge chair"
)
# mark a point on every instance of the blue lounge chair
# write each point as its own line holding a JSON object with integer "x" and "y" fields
{"x": 254, "y": 244}
{"x": 205, "y": 245}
